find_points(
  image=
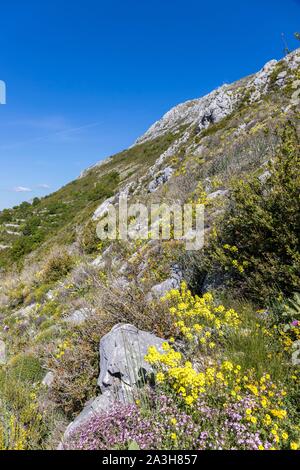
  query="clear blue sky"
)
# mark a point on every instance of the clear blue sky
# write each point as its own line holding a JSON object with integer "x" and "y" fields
{"x": 86, "y": 77}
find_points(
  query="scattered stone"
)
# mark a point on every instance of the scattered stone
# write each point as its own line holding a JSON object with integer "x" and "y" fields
{"x": 120, "y": 283}
{"x": 161, "y": 178}
{"x": 48, "y": 380}
{"x": 50, "y": 295}
{"x": 79, "y": 316}
{"x": 219, "y": 193}
{"x": 159, "y": 290}
{"x": 264, "y": 176}
{"x": 98, "y": 262}
{"x": 4, "y": 247}
{"x": 2, "y": 353}
{"x": 25, "y": 312}
{"x": 102, "y": 209}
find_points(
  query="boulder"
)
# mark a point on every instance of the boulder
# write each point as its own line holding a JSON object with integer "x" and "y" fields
{"x": 123, "y": 370}
{"x": 122, "y": 363}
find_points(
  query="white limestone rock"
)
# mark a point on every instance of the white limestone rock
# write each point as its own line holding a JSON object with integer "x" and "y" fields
{"x": 161, "y": 178}
{"x": 218, "y": 193}
{"x": 260, "y": 81}
{"x": 2, "y": 353}
{"x": 78, "y": 317}
{"x": 48, "y": 380}
{"x": 102, "y": 209}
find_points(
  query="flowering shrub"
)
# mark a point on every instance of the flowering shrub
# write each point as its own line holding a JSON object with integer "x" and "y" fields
{"x": 163, "y": 426}
{"x": 199, "y": 319}
{"x": 22, "y": 425}
{"x": 220, "y": 405}
{"x": 13, "y": 436}
{"x": 251, "y": 412}
{"x": 253, "y": 418}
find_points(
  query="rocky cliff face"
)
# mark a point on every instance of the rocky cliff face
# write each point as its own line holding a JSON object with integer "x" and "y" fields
{"x": 222, "y": 102}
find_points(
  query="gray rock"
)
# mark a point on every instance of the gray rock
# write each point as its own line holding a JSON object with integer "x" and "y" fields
{"x": 79, "y": 316}
{"x": 99, "y": 262}
{"x": 293, "y": 60}
{"x": 159, "y": 290}
{"x": 48, "y": 379}
{"x": 203, "y": 111}
{"x": 280, "y": 80}
{"x": 2, "y": 353}
{"x": 50, "y": 295}
{"x": 102, "y": 209}
{"x": 161, "y": 178}
{"x": 123, "y": 369}
{"x": 26, "y": 311}
{"x": 120, "y": 283}
{"x": 4, "y": 247}
{"x": 264, "y": 176}
{"x": 122, "y": 353}
{"x": 219, "y": 193}
{"x": 261, "y": 80}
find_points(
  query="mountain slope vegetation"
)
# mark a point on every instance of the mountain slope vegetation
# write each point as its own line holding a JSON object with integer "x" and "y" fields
{"x": 229, "y": 314}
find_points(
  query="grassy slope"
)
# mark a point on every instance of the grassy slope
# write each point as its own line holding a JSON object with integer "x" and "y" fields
{"x": 56, "y": 216}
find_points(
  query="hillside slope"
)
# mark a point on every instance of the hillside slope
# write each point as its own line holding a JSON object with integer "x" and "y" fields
{"x": 181, "y": 134}
{"x": 236, "y": 151}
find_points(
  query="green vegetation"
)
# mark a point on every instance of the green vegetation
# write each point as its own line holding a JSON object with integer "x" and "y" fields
{"x": 56, "y": 216}
{"x": 26, "y": 368}
{"x": 231, "y": 328}
{"x": 257, "y": 244}
{"x": 57, "y": 266}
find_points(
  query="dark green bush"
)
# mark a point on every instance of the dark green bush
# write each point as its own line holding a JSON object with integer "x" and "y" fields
{"x": 257, "y": 244}
{"x": 105, "y": 188}
{"x": 57, "y": 266}
{"x": 26, "y": 367}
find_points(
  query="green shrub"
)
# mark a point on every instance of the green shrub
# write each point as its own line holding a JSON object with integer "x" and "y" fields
{"x": 22, "y": 425}
{"x": 57, "y": 266}
{"x": 89, "y": 240}
{"x": 257, "y": 244}
{"x": 105, "y": 188}
{"x": 47, "y": 334}
{"x": 26, "y": 368}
